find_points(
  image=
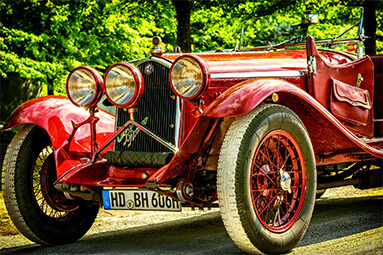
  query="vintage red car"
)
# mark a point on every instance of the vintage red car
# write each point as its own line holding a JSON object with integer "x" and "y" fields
{"x": 259, "y": 132}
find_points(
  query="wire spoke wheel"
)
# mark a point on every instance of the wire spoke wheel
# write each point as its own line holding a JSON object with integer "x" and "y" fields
{"x": 39, "y": 211}
{"x": 52, "y": 203}
{"x": 266, "y": 180}
{"x": 278, "y": 181}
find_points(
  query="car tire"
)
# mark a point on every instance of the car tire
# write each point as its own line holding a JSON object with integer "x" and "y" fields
{"x": 259, "y": 208}
{"x": 39, "y": 211}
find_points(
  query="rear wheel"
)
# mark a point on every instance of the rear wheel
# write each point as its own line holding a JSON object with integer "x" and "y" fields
{"x": 266, "y": 180}
{"x": 38, "y": 210}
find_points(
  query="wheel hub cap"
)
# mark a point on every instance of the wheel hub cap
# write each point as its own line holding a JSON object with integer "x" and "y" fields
{"x": 285, "y": 181}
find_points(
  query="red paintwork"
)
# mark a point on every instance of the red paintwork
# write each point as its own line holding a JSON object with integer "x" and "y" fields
{"x": 54, "y": 114}
{"x": 190, "y": 146}
{"x": 100, "y": 174}
{"x": 187, "y": 119}
{"x": 245, "y": 62}
{"x": 246, "y": 96}
{"x": 283, "y": 56}
{"x": 348, "y": 73}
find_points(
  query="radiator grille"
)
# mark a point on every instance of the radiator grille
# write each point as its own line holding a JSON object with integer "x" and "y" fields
{"x": 158, "y": 106}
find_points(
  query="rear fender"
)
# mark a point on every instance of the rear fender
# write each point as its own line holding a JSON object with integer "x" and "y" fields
{"x": 55, "y": 115}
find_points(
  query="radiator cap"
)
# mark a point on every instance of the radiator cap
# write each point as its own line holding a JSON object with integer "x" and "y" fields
{"x": 156, "y": 41}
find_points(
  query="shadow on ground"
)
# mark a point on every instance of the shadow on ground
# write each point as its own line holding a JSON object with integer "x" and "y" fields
{"x": 332, "y": 219}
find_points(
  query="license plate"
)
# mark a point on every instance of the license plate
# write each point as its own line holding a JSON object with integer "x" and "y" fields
{"x": 139, "y": 200}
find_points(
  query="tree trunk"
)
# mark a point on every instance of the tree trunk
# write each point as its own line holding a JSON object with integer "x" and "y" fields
{"x": 370, "y": 27}
{"x": 50, "y": 88}
{"x": 183, "y": 10}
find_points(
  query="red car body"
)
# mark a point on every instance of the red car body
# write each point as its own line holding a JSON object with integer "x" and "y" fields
{"x": 336, "y": 96}
{"x": 284, "y": 73}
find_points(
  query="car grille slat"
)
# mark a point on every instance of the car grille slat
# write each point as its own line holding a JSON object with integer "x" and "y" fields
{"x": 157, "y": 106}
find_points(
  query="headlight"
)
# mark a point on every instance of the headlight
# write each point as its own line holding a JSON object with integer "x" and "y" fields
{"x": 189, "y": 77}
{"x": 84, "y": 86}
{"x": 124, "y": 85}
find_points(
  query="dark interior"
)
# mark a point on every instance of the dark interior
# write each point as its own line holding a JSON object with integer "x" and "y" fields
{"x": 378, "y": 95}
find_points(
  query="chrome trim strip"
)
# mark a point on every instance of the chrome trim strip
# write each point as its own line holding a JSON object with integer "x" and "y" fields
{"x": 178, "y": 102}
{"x": 168, "y": 64}
{"x": 256, "y": 74}
{"x": 137, "y": 61}
{"x": 170, "y": 146}
{"x": 162, "y": 61}
{"x": 178, "y": 121}
{"x": 155, "y": 59}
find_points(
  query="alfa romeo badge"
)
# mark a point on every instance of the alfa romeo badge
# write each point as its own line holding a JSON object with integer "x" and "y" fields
{"x": 149, "y": 69}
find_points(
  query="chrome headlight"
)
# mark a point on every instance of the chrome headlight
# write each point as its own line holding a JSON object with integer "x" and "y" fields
{"x": 189, "y": 77}
{"x": 124, "y": 85}
{"x": 84, "y": 86}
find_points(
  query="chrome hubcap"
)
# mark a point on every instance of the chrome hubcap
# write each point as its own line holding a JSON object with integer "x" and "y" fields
{"x": 285, "y": 181}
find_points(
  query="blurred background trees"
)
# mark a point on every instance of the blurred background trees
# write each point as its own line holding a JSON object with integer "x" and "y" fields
{"x": 42, "y": 40}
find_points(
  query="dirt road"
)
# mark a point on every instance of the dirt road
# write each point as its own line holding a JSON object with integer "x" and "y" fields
{"x": 345, "y": 221}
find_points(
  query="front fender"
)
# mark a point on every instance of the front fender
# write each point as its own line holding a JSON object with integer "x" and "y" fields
{"x": 320, "y": 123}
{"x": 326, "y": 132}
{"x": 247, "y": 95}
{"x": 55, "y": 115}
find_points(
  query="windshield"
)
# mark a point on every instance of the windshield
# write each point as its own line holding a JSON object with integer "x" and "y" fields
{"x": 281, "y": 30}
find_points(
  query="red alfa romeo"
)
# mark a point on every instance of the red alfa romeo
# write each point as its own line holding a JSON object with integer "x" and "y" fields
{"x": 258, "y": 131}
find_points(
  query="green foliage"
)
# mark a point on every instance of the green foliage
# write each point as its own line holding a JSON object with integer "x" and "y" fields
{"x": 379, "y": 30}
{"x": 43, "y": 40}
{"x": 213, "y": 29}
{"x": 216, "y": 26}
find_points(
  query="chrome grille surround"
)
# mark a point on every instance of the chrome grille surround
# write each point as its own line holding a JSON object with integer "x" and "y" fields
{"x": 158, "y": 111}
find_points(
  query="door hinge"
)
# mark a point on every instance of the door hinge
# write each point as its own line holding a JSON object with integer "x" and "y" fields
{"x": 312, "y": 64}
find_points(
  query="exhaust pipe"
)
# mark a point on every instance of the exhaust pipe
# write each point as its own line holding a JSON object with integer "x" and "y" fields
{"x": 362, "y": 180}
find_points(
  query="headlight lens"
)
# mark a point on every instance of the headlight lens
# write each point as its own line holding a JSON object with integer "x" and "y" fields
{"x": 189, "y": 77}
{"x": 123, "y": 85}
{"x": 84, "y": 86}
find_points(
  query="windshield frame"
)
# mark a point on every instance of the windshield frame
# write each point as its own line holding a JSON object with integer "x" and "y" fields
{"x": 327, "y": 42}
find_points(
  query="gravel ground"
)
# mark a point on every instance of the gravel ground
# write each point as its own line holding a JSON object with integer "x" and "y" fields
{"x": 112, "y": 220}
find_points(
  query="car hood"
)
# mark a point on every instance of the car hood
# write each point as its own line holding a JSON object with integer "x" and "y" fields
{"x": 225, "y": 64}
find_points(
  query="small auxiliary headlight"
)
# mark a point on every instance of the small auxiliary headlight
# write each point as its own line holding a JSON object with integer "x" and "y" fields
{"x": 84, "y": 87}
{"x": 124, "y": 85}
{"x": 189, "y": 77}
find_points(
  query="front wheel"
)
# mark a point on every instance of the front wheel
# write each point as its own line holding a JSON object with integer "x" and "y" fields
{"x": 266, "y": 180}
{"x": 40, "y": 212}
